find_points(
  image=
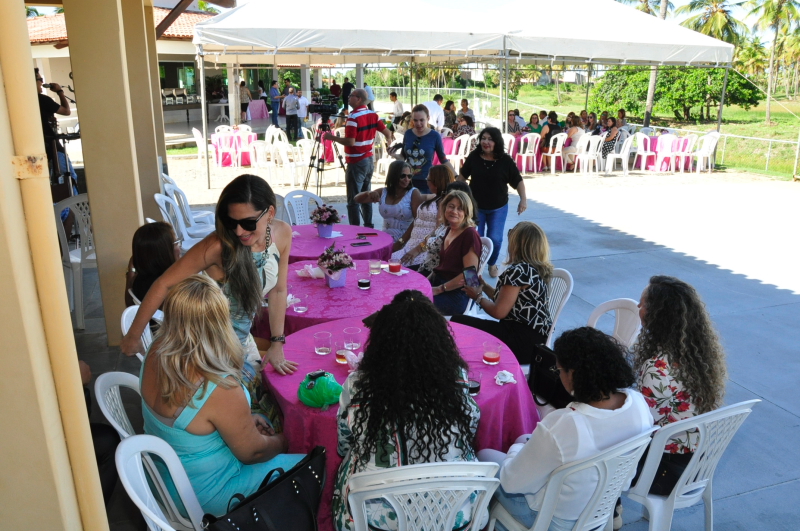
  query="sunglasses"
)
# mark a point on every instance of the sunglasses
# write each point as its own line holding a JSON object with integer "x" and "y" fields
{"x": 246, "y": 224}
{"x": 406, "y": 176}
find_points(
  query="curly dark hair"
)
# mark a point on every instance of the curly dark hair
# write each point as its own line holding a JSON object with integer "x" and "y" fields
{"x": 676, "y": 323}
{"x": 499, "y": 145}
{"x": 409, "y": 381}
{"x": 598, "y": 361}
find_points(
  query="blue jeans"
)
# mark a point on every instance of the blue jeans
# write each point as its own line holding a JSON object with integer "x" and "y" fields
{"x": 358, "y": 178}
{"x": 276, "y": 107}
{"x": 450, "y": 302}
{"x": 493, "y": 223}
{"x": 517, "y": 506}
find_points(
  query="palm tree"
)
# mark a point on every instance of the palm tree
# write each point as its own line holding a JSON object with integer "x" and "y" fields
{"x": 32, "y": 12}
{"x": 714, "y": 19}
{"x": 750, "y": 56}
{"x": 651, "y": 7}
{"x": 207, "y": 8}
{"x": 773, "y": 14}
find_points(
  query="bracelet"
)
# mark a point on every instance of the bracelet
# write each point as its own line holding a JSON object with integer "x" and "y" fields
{"x": 401, "y": 241}
{"x": 278, "y": 339}
{"x": 59, "y": 92}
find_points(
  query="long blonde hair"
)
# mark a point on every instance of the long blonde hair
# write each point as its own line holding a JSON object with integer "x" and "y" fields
{"x": 195, "y": 340}
{"x": 466, "y": 206}
{"x": 527, "y": 243}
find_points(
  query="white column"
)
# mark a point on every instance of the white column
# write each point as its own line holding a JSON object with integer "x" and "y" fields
{"x": 234, "y": 112}
{"x": 359, "y": 76}
{"x": 305, "y": 80}
{"x": 318, "y": 78}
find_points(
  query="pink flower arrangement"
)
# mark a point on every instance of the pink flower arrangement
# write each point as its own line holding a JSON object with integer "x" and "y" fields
{"x": 325, "y": 215}
{"x": 334, "y": 260}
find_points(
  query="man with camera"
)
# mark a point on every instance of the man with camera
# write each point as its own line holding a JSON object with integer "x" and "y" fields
{"x": 359, "y": 136}
{"x": 47, "y": 110}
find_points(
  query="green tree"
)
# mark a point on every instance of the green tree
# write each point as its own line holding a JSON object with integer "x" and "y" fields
{"x": 750, "y": 56}
{"x": 651, "y": 7}
{"x": 714, "y": 19}
{"x": 773, "y": 15}
{"x": 205, "y": 7}
{"x": 32, "y": 12}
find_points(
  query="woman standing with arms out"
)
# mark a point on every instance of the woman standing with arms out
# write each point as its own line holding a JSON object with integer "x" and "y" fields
{"x": 432, "y": 420}
{"x": 398, "y": 199}
{"x": 520, "y": 299}
{"x": 450, "y": 115}
{"x": 192, "y": 398}
{"x": 680, "y": 366}
{"x": 490, "y": 170}
{"x": 244, "y": 99}
{"x": 420, "y": 144}
{"x": 248, "y": 255}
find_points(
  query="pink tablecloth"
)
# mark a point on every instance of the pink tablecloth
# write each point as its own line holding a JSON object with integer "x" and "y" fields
{"x": 216, "y": 139}
{"x": 326, "y": 304}
{"x": 258, "y": 110}
{"x": 507, "y": 411}
{"x": 308, "y": 246}
{"x": 680, "y": 145}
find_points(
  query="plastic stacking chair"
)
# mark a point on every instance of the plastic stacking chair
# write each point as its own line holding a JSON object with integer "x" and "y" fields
{"x": 76, "y": 260}
{"x": 559, "y": 291}
{"x": 242, "y": 143}
{"x": 204, "y": 149}
{"x": 261, "y": 157}
{"x": 716, "y": 429}
{"x": 199, "y": 216}
{"x": 284, "y": 160}
{"x": 487, "y": 246}
{"x": 126, "y": 320}
{"x": 307, "y": 134}
{"x": 643, "y": 151}
{"x": 244, "y": 127}
{"x": 581, "y": 156}
{"x": 623, "y": 156}
{"x": 666, "y": 152}
{"x": 626, "y": 319}
{"x": 446, "y": 132}
{"x": 556, "y": 147}
{"x": 425, "y": 497}
{"x": 223, "y": 129}
{"x": 280, "y": 209}
{"x": 460, "y": 152}
{"x": 130, "y": 458}
{"x": 297, "y": 206}
{"x": 195, "y": 228}
{"x": 708, "y": 143}
{"x": 647, "y": 131}
{"x": 508, "y": 141}
{"x": 615, "y": 467}
{"x": 683, "y": 157}
{"x": 170, "y": 212}
{"x": 529, "y": 149}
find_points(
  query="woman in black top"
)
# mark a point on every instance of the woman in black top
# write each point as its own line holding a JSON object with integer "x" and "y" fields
{"x": 520, "y": 299}
{"x": 490, "y": 170}
{"x": 549, "y": 130}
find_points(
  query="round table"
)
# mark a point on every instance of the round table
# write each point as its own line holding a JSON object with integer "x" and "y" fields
{"x": 507, "y": 411}
{"x": 326, "y": 304}
{"x": 308, "y": 245}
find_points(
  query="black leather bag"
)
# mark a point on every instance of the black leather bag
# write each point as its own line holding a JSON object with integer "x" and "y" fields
{"x": 544, "y": 380}
{"x": 289, "y": 502}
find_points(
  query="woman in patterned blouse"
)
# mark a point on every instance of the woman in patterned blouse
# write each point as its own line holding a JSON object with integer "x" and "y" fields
{"x": 680, "y": 367}
{"x": 520, "y": 299}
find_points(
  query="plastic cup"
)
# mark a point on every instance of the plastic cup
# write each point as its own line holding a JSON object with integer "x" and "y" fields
{"x": 352, "y": 339}
{"x": 375, "y": 267}
{"x": 491, "y": 352}
{"x": 322, "y": 343}
{"x": 394, "y": 266}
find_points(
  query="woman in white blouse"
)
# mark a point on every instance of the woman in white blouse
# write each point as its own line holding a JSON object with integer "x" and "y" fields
{"x": 605, "y": 412}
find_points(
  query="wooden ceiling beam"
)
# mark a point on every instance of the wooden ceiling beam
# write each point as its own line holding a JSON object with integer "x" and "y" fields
{"x": 171, "y": 17}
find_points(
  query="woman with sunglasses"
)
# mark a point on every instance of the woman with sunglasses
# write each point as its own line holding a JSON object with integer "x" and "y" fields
{"x": 248, "y": 256}
{"x": 398, "y": 199}
{"x": 420, "y": 144}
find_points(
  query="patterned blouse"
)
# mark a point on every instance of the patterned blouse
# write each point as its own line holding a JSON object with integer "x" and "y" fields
{"x": 530, "y": 308}
{"x": 394, "y": 453}
{"x": 668, "y": 400}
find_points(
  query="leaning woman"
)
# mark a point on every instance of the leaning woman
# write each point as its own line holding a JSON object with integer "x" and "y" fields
{"x": 193, "y": 399}
{"x": 398, "y": 200}
{"x": 248, "y": 256}
{"x": 395, "y": 411}
{"x": 520, "y": 299}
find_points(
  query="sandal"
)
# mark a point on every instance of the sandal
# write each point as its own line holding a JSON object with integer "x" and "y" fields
{"x": 493, "y": 271}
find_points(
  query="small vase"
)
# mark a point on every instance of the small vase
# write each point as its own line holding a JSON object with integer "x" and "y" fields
{"x": 337, "y": 280}
{"x": 325, "y": 231}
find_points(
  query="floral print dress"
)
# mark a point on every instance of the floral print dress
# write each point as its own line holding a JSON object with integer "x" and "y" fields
{"x": 394, "y": 454}
{"x": 668, "y": 400}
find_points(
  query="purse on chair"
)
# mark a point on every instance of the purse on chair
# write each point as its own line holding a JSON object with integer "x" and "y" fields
{"x": 544, "y": 380}
{"x": 289, "y": 502}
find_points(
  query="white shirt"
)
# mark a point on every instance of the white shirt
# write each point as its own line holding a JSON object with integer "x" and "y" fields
{"x": 567, "y": 435}
{"x": 398, "y": 109}
{"x": 521, "y": 122}
{"x": 302, "y": 110}
{"x": 437, "y": 114}
{"x": 370, "y": 94}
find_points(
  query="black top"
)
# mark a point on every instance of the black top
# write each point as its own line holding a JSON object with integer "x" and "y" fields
{"x": 553, "y": 130}
{"x": 488, "y": 179}
{"x": 347, "y": 88}
{"x": 47, "y": 110}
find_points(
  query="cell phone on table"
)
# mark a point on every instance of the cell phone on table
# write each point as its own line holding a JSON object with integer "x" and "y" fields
{"x": 360, "y": 244}
{"x": 365, "y": 234}
{"x": 471, "y": 277}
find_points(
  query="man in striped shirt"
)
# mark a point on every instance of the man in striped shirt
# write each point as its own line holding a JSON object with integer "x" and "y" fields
{"x": 359, "y": 135}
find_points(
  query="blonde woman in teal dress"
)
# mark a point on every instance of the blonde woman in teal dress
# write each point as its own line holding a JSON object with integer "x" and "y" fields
{"x": 395, "y": 410}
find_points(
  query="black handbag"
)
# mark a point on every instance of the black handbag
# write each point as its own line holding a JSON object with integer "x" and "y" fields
{"x": 544, "y": 380}
{"x": 290, "y": 502}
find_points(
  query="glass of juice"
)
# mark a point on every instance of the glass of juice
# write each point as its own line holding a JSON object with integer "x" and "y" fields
{"x": 394, "y": 266}
{"x": 322, "y": 343}
{"x": 491, "y": 352}
{"x": 340, "y": 351}
{"x": 375, "y": 267}
{"x": 474, "y": 383}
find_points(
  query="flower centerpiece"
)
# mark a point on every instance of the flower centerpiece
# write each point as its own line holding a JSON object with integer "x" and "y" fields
{"x": 334, "y": 264}
{"x": 324, "y": 218}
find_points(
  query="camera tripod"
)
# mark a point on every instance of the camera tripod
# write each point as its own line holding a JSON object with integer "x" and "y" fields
{"x": 317, "y": 161}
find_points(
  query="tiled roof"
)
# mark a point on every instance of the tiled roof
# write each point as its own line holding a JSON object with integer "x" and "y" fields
{"x": 52, "y": 29}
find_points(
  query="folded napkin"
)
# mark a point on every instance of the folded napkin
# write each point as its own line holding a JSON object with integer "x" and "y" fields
{"x": 295, "y": 234}
{"x": 291, "y": 299}
{"x": 353, "y": 359}
{"x": 334, "y": 234}
{"x": 504, "y": 377}
{"x": 402, "y": 272}
{"x": 310, "y": 272}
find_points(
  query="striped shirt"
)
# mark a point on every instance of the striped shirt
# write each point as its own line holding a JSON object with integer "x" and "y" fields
{"x": 362, "y": 125}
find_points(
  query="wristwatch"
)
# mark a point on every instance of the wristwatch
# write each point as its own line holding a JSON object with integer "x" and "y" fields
{"x": 278, "y": 339}
{"x": 401, "y": 241}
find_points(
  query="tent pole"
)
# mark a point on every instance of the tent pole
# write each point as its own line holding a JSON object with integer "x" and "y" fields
{"x": 203, "y": 111}
{"x": 588, "y": 82}
{"x": 722, "y": 101}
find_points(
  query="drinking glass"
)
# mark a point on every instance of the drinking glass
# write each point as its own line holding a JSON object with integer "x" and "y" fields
{"x": 322, "y": 343}
{"x": 375, "y": 267}
{"x": 352, "y": 339}
{"x": 340, "y": 350}
{"x": 394, "y": 265}
{"x": 301, "y": 303}
{"x": 474, "y": 383}
{"x": 364, "y": 280}
{"x": 491, "y": 352}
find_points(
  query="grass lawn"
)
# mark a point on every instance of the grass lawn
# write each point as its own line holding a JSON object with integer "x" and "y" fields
{"x": 182, "y": 151}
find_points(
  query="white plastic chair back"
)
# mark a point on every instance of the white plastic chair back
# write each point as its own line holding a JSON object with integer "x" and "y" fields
{"x": 556, "y": 151}
{"x": 398, "y": 139}
{"x": 170, "y": 212}
{"x": 261, "y": 156}
{"x": 558, "y": 293}
{"x": 242, "y": 144}
{"x": 134, "y": 298}
{"x": 177, "y": 195}
{"x": 280, "y": 209}
{"x": 282, "y": 158}
{"x": 244, "y": 127}
{"x": 204, "y": 148}
{"x": 280, "y": 136}
{"x": 706, "y": 152}
{"x": 223, "y": 129}
{"x": 644, "y": 149}
{"x": 685, "y": 154}
{"x": 614, "y": 467}
{"x": 626, "y": 319}
{"x": 508, "y": 142}
{"x": 297, "y": 206}
{"x": 307, "y": 134}
{"x": 529, "y": 148}
{"x": 457, "y": 143}
{"x": 129, "y": 458}
{"x": 647, "y": 131}
{"x": 473, "y": 139}
{"x": 126, "y": 320}
{"x": 581, "y": 150}
{"x": 622, "y": 136}
{"x": 446, "y": 131}
{"x": 623, "y": 156}
{"x": 339, "y": 131}
{"x": 106, "y": 389}
{"x": 487, "y": 246}
{"x": 427, "y": 496}
{"x": 716, "y": 429}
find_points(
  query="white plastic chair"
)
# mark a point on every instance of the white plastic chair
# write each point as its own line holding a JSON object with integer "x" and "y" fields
{"x": 615, "y": 467}
{"x": 226, "y": 143}
{"x": 170, "y": 212}
{"x": 681, "y": 155}
{"x": 446, "y": 131}
{"x": 242, "y": 144}
{"x": 297, "y": 206}
{"x": 556, "y": 147}
{"x": 244, "y": 127}
{"x": 529, "y": 149}
{"x": 460, "y": 152}
{"x": 200, "y": 216}
{"x": 196, "y": 228}
{"x": 626, "y": 319}
{"x": 643, "y": 152}
{"x": 76, "y": 260}
{"x": 487, "y": 246}
{"x": 666, "y": 151}
{"x": 427, "y": 496}
{"x": 204, "y": 149}
{"x": 622, "y": 136}
{"x": 580, "y": 155}
{"x": 307, "y": 134}
{"x": 592, "y": 158}
{"x": 708, "y": 144}
{"x": 623, "y": 157}
{"x": 508, "y": 142}
{"x": 716, "y": 429}
{"x": 261, "y": 157}
{"x": 647, "y": 131}
{"x": 280, "y": 209}
{"x": 131, "y": 453}
{"x": 126, "y": 320}
{"x": 559, "y": 291}
{"x": 223, "y": 129}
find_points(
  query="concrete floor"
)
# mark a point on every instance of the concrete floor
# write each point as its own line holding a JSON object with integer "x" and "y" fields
{"x": 729, "y": 237}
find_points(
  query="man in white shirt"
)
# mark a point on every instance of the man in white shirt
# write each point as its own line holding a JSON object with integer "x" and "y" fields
{"x": 519, "y": 119}
{"x": 290, "y": 104}
{"x": 370, "y": 96}
{"x": 398, "y": 108}
{"x": 302, "y": 112}
{"x": 436, "y": 112}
